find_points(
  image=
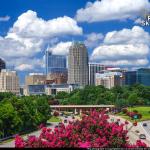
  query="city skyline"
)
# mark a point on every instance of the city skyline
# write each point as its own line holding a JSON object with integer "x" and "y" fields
{"x": 114, "y": 39}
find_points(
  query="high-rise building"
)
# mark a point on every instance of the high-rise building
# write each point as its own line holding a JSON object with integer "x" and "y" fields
{"x": 108, "y": 79}
{"x": 143, "y": 76}
{"x": 55, "y": 63}
{"x": 2, "y": 64}
{"x": 35, "y": 79}
{"x": 130, "y": 77}
{"x": 93, "y": 69}
{"x": 9, "y": 81}
{"x": 57, "y": 78}
{"x": 34, "y": 83}
{"x": 78, "y": 64}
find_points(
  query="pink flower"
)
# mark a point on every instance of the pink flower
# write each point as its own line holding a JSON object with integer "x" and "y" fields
{"x": 84, "y": 145}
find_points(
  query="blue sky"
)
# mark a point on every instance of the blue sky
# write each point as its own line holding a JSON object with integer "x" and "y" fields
{"x": 110, "y": 29}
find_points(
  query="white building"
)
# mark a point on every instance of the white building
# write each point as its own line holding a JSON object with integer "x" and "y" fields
{"x": 53, "y": 89}
{"x": 9, "y": 81}
{"x": 108, "y": 79}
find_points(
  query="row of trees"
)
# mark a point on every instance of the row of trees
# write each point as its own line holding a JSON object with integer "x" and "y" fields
{"x": 19, "y": 114}
{"x": 120, "y": 96}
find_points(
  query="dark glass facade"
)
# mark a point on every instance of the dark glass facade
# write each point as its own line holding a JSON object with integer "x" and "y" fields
{"x": 36, "y": 89}
{"x": 55, "y": 63}
{"x": 130, "y": 77}
{"x": 143, "y": 76}
{"x": 2, "y": 64}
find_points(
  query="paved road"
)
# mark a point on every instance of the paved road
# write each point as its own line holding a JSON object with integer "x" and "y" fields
{"x": 37, "y": 133}
{"x": 133, "y": 136}
{"x": 146, "y": 128}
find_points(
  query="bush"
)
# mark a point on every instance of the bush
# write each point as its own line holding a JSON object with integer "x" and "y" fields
{"x": 135, "y": 111}
{"x": 92, "y": 131}
{"x": 124, "y": 110}
{"x": 56, "y": 113}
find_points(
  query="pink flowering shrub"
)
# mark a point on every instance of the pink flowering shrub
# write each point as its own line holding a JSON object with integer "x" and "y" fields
{"x": 93, "y": 130}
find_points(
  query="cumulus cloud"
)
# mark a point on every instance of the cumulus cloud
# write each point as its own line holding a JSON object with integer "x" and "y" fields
{"x": 62, "y": 48}
{"x": 93, "y": 39}
{"x": 4, "y": 18}
{"x": 105, "y": 10}
{"x": 131, "y": 63}
{"x": 27, "y": 64}
{"x": 127, "y": 47}
{"x": 122, "y": 51}
{"x": 24, "y": 67}
{"x": 29, "y": 35}
{"x": 128, "y": 36}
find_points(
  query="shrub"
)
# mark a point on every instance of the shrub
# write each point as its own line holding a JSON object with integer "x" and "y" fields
{"x": 92, "y": 131}
{"x": 56, "y": 113}
{"x": 124, "y": 110}
{"x": 135, "y": 111}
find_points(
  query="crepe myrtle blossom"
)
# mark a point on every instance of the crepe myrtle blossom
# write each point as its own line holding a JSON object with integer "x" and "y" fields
{"x": 93, "y": 130}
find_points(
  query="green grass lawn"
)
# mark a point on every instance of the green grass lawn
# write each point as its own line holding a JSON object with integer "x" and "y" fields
{"x": 54, "y": 119}
{"x": 142, "y": 110}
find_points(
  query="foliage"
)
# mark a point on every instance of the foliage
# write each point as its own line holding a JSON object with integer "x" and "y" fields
{"x": 56, "y": 113}
{"x": 19, "y": 114}
{"x": 120, "y": 96}
{"x": 93, "y": 130}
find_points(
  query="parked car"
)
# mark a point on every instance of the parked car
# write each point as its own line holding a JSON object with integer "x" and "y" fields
{"x": 61, "y": 114}
{"x": 144, "y": 124}
{"x": 142, "y": 136}
{"x": 137, "y": 131}
{"x": 60, "y": 124}
{"x": 65, "y": 121}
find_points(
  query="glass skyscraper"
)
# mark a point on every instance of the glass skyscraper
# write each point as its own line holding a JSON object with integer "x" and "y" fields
{"x": 55, "y": 63}
{"x": 143, "y": 76}
{"x": 2, "y": 64}
{"x": 130, "y": 77}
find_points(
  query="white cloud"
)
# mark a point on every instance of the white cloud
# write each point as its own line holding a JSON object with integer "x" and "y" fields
{"x": 61, "y": 48}
{"x": 24, "y": 67}
{"x": 128, "y": 36}
{"x": 105, "y": 10}
{"x": 127, "y": 47}
{"x": 29, "y": 35}
{"x": 93, "y": 39}
{"x": 4, "y": 18}
{"x": 123, "y": 63}
{"x": 26, "y": 64}
{"x": 120, "y": 51}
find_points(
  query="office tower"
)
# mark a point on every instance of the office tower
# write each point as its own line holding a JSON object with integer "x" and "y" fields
{"x": 35, "y": 84}
{"x": 9, "y": 81}
{"x": 130, "y": 77}
{"x": 122, "y": 71}
{"x": 35, "y": 79}
{"x": 143, "y": 76}
{"x": 108, "y": 79}
{"x": 78, "y": 64}
{"x": 55, "y": 63}
{"x": 2, "y": 64}
{"x": 56, "y": 78}
{"x": 93, "y": 69}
